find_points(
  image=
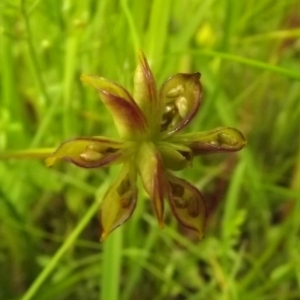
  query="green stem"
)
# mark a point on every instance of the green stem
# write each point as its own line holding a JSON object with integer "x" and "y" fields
{"x": 33, "y": 55}
{"x": 158, "y": 28}
{"x": 133, "y": 31}
{"x": 251, "y": 62}
{"x": 31, "y": 153}
{"x": 112, "y": 261}
{"x": 63, "y": 249}
{"x": 273, "y": 35}
{"x": 40, "y": 81}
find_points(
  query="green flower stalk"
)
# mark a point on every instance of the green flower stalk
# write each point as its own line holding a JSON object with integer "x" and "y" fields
{"x": 150, "y": 146}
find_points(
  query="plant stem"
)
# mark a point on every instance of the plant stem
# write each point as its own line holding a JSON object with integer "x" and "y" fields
{"x": 251, "y": 62}
{"x": 40, "y": 80}
{"x": 31, "y": 153}
{"x": 110, "y": 281}
{"x": 133, "y": 32}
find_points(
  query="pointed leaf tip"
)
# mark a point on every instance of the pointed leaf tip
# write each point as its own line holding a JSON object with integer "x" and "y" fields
{"x": 103, "y": 236}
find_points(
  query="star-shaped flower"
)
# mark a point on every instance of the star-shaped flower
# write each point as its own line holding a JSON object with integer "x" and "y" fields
{"x": 150, "y": 146}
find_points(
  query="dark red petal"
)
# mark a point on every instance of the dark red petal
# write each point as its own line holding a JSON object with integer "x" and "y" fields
{"x": 144, "y": 81}
{"x": 181, "y": 95}
{"x": 128, "y": 117}
{"x": 187, "y": 204}
{"x": 119, "y": 201}
{"x": 145, "y": 92}
{"x": 153, "y": 178}
{"x": 88, "y": 152}
{"x": 217, "y": 140}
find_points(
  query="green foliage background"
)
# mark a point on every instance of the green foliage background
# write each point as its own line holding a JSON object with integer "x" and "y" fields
{"x": 248, "y": 53}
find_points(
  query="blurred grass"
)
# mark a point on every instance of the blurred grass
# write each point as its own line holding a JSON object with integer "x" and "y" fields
{"x": 248, "y": 53}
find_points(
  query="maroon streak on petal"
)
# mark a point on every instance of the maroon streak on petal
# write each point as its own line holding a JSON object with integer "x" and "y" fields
{"x": 148, "y": 80}
{"x": 187, "y": 204}
{"x": 88, "y": 152}
{"x": 108, "y": 160}
{"x": 181, "y": 95}
{"x": 153, "y": 177}
{"x": 108, "y": 85}
{"x": 158, "y": 190}
{"x": 218, "y": 140}
{"x": 119, "y": 201}
{"x": 128, "y": 117}
{"x": 145, "y": 91}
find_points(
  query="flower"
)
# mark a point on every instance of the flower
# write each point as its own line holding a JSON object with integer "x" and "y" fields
{"x": 150, "y": 146}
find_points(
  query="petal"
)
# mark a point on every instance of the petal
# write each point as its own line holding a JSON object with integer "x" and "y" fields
{"x": 217, "y": 140}
{"x": 181, "y": 95}
{"x": 88, "y": 152}
{"x": 152, "y": 174}
{"x": 127, "y": 116}
{"x": 187, "y": 204}
{"x": 175, "y": 157}
{"x": 145, "y": 92}
{"x": 119, "y": 201}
